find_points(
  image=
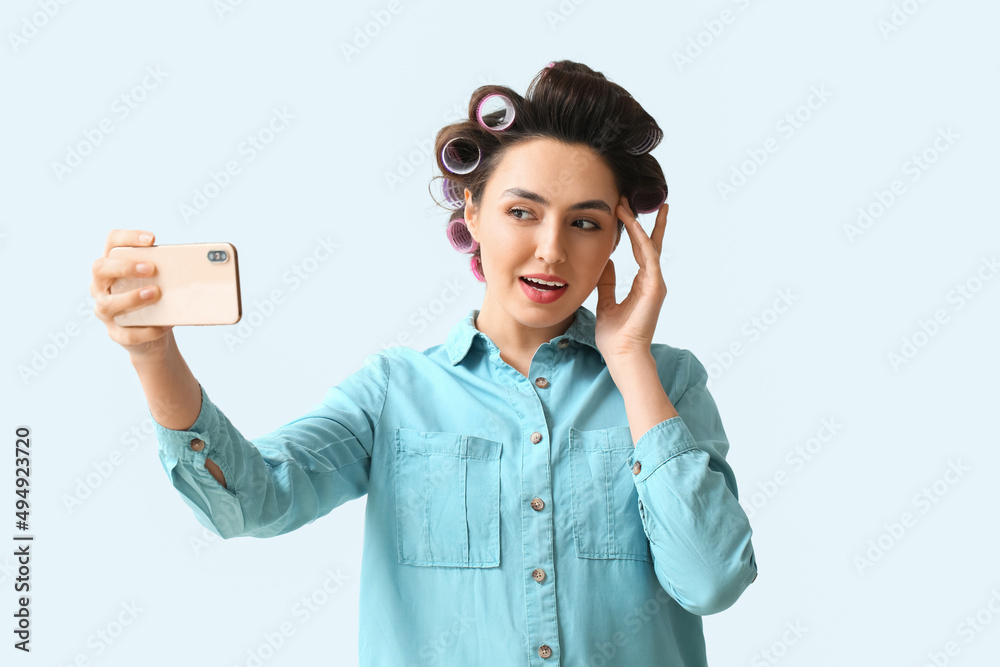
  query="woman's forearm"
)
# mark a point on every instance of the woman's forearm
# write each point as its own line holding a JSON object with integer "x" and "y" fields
{"x": 171, "y": 389}
{"x": 646, "y": 403}
{"x": 173, "y": 393}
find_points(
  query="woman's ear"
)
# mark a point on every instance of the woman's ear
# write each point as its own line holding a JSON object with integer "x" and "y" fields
{"x": 470, "y": 214}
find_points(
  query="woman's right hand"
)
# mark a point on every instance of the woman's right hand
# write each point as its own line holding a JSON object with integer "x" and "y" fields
{"x": 141, "y": 342}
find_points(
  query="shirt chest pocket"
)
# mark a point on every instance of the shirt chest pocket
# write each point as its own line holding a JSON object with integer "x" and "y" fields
{"x": 447, "y": 499}
{"x": 606, "y": 519}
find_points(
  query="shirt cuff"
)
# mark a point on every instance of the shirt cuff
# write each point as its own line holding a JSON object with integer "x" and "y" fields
{"x": 658, "y": 445}
{"x": 189, "y": 447}
{"x": 182, "y": 454}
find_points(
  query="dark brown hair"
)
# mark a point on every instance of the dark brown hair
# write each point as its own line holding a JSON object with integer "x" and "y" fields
{"x": 570, "y": 102}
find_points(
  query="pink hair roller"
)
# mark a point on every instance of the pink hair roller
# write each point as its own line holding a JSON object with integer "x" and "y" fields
{"x": 460, "y": 237}
{"x": 477, "y": 269}
{"x": 498, "y": 115}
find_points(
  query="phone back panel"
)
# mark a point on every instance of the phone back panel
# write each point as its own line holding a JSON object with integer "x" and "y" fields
{"x": 193, "y": 289}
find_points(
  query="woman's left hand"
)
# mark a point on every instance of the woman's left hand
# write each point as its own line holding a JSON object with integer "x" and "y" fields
{"x": 626, "y": 328}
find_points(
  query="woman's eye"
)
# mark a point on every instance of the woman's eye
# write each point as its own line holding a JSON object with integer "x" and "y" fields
{"x": 515, "y": 210}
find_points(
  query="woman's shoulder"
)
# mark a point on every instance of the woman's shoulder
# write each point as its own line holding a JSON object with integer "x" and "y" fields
{"x": 388, "y": 369}
{"x": 401, "y": 358}
{"x": 678, "y": 367}
{"x": 668, "y": 356}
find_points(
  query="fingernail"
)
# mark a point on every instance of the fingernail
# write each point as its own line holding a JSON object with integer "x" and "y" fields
{"x": 142, "y": 267}
{"x": 145, "y": 238}
{"x": 146, "y": 293}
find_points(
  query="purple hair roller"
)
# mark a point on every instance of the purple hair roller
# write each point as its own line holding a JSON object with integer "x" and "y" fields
{"x": 477, "y": 270}
{"x": 498, "y": 115}
{"x": 460, "y": 237}
{"x": 461, "y": 155}
{"x": 647, "y": 200}
{"x": 454, "y": 193}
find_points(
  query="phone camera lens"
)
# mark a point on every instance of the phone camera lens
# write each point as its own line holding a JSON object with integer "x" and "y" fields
{"x": 217, "y": 255}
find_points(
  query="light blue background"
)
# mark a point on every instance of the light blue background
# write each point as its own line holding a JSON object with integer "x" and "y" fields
{"x": 359, "y": 118}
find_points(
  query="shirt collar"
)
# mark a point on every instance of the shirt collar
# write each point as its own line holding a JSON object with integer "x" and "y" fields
{"x": 464, "y": 332}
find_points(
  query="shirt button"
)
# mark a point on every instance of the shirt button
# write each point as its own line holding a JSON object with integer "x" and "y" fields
{"x": 564, "y": 343}
{"x": 636, "y": 468}
{"x": 536, "y": 437}
{"x": 541, "y": 382}
{"x": 197, "y": 444}
{"x": 538, "y": 575}
{"x": 537, "y": 504}
{"x": 544, "y": 651}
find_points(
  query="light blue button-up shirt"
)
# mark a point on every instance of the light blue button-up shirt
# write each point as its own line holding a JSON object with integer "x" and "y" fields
{"x": 509, "y": 520}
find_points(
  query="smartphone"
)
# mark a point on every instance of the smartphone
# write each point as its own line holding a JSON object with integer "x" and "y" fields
{"x": 199, "y": 284}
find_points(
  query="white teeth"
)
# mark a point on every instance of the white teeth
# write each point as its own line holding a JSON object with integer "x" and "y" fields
{"x": 545, "y": 282}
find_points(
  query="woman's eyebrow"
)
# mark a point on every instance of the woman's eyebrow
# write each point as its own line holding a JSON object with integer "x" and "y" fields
{"x": 598, "y": 204}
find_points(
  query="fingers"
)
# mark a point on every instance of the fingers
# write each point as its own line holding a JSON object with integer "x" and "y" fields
{"x": 106, "y": 270}
{"x": 661, "y": 224}
{"x": 658, "y": 228}
{"x": 641, "y": 250}
{"x": 108, "y": 306}
{"x": 127, "y": 237}
{"x": 112, "y": 268}
{"x": 119, "y": 267}
{"x": 606, "y": 284}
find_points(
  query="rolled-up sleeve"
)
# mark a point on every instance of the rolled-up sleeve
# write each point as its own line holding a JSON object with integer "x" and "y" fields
{"x": 698, "y": 533}
{"x": 287, "y": 478}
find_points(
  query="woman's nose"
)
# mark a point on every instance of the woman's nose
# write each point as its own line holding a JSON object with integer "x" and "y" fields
{"x": 550, "y": 243}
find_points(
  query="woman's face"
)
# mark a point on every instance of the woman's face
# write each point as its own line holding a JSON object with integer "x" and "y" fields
{"x": 548, "y": 210}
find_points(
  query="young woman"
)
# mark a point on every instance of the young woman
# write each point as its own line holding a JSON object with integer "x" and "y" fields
{"x": 546, "y": 487}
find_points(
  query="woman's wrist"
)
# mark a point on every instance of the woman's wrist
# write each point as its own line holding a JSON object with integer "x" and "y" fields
{"x": 155, "y": 353}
